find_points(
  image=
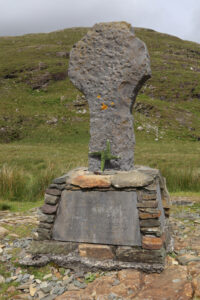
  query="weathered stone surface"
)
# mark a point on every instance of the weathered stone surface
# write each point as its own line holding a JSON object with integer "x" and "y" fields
{"x": 98, "y": 217}
{"x": 131, "y": 179}
{"x": 148, "y": 204}
{"x": 151, "y": 230}
{"x": 3, "y": 232}
{"x": 150, "y": 188}
{"x": 57, "y": 186}
{"x": 96, "y": 251}
{"x": 49, "y": 209}
{"x": 50, "y": 199}
{"x": 52, "y": 247}
{"x": 60, "y": 180}
{"x": 185, "y": 259}
{"x": 146, "y": 215}
{"x": 148, "y": 210}
{"x": 149, "y": 223}
{"x": 196, "y": 284}
{"x": 145, "y": 197}
{"x": 91, "y": 181}
{"x": 109, "y": 65}
{"x": 46, "y": 218}
{"x": 54, "y": 192}
{"x": 44, "y": 234}
{"x": 171, "y": 284}
{"x": 131, "y": 254}
{"x": 45, "y": 225}
{"x": 151, "y": 243}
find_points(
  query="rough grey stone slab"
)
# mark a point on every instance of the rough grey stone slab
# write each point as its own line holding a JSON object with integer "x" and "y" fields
{"x": 49, "y": 209}
{"x": 46, "y": 218}
{"x": 52, "y": 247}
{"x": 150, "y": 223}
{"x": 98, "y": 217}
{"x": 133, "y": 178}
{"x": 53, "y": 192}
{"x": 140, "y": 255}
{"x": 110, "y": 65}
{"x": 60, "y": 180}
{"x": 75, "y": 262}
{"x": 50, "y": 199}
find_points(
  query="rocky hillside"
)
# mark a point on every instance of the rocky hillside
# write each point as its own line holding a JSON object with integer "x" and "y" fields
{"x": 38, "y": 102}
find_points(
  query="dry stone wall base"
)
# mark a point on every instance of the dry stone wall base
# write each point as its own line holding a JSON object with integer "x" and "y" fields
{"x": 154, "y": 225}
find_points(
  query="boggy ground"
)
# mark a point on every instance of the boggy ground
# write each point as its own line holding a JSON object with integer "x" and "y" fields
{"x": 179, "y": 281}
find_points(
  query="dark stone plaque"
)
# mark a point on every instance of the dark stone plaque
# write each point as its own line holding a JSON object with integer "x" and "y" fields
{"x": 98, "y": 217}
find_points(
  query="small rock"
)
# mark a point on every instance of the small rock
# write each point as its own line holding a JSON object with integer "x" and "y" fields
{"x": 13, "y": 235}
{"x": 72, "y": 287}
{"x": 176, "y": 280}
{"x": 67, "y": 280}
{"x": 25, "y": 277}
{"x": 13, "y": 278}
{"x": 8, "y": 280}
{"x": 80, "y": 285}
{"x": 11, "y": 289}
{"x": 19, "y": 278}
{"x": 50, "y": 297}
{"x": 48, "y": 276}
{"x": 2, "y": 279}
{"x": 58, "y": 290}
{"x": 32, "y": 277}
{"x": 116, "y": 282}
{"x": 3, "y": 232}
{"x": 38, "y": 281}
{"x": 197, "y": 221}
{"x": 40, "y": 295}
{"x": 32, "y": 290}
{"x": 67, "y": 271}
{"x": 112, "y": 296}
{"x": 24, "y": 286}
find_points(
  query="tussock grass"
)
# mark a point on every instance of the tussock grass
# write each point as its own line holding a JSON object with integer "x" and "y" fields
{"x": 182, "y": 179}
{"x": 30, "y": 168}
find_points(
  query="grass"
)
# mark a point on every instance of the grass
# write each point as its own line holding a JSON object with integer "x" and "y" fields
{"x": 30, "y": 168}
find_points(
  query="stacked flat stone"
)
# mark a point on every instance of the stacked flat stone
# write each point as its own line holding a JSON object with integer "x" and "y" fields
{"x": 49, "y": 209}
{"x": 153, "y": 219}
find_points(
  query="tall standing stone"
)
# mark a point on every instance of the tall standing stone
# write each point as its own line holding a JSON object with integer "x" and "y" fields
{"x": 109, "y": 65}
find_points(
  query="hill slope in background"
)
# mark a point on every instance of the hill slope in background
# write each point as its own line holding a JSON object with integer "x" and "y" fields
{"x": 38, "y": 103}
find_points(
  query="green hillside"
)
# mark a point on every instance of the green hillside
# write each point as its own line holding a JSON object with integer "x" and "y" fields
{"x": 44, "y": 120}
{"x": 36, "y": 96}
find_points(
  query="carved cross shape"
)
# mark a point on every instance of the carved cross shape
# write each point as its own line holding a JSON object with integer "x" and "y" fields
{"x": 105, "y": 155}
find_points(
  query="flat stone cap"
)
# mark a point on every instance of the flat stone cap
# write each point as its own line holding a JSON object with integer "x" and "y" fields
{"x": 118, "y": 179}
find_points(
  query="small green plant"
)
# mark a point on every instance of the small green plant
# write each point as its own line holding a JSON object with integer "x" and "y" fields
{"x": 172, "y": 254}
{"x": 105, "y": 155}
{"x": 90, "y": 277}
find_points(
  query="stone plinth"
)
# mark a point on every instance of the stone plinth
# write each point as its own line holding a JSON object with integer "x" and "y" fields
{"x": 120, "y": 223}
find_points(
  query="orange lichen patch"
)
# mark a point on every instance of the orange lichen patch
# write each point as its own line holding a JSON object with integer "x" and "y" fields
{"x": 112, "y": 103}
{"x": 104, "y": 106}
{"x": 99, "y": 96}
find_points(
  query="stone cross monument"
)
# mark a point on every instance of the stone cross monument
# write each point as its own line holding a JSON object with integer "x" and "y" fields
{"x": 109, "y": 65}
{"x": 119, "y": 218}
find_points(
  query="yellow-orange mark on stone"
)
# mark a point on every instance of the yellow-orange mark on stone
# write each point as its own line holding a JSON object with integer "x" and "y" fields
{"x": 104, "y": 106}
{"x": 99, "y": 96}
